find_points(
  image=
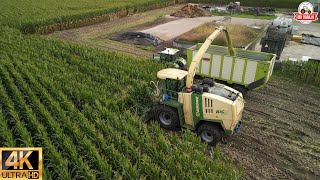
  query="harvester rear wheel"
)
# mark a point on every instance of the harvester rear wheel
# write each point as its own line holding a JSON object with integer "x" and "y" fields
{"x": 167, "y": 117}
{"x": 210, "y": 133}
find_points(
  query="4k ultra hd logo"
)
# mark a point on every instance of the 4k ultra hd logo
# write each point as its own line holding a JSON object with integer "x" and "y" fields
{"x": 305, "y": 13}
{"x": 20, "y": 163}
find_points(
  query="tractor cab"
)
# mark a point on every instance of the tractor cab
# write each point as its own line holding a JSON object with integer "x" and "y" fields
{"x": 170, "y": 55}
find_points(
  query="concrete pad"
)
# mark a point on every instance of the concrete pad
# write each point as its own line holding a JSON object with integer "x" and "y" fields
{"x": 173, "y": 29}
{"x": 313, "y": 28}
{"x": 170, "y": 30}
{"x": 297, "y": 50}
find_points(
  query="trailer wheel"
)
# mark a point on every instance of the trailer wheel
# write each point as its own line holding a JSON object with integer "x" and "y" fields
{"x": 210, "y": 133}
{"x": 167, "y": 117}
{"x": 241, "y": 89}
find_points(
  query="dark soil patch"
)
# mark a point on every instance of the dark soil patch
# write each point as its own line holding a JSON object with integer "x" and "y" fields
{"x": 137, "y": 38}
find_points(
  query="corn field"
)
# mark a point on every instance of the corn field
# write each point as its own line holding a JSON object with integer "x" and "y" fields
{"x": 81, "y": 104}
{"x": 43, "y": 17}
{"x": 308, "y": 72}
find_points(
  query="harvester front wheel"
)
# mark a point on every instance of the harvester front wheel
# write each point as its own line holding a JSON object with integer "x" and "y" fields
{"x": 167, "y": 117}
{"x": 210, "y": 133}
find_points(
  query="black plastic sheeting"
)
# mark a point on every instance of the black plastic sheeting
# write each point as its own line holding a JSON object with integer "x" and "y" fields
{"x": 137, "y": 38}
{"x": 310, "y": 39}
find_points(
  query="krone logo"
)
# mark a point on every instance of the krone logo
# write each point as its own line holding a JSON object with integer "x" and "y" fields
{"x": 197, "y": 107}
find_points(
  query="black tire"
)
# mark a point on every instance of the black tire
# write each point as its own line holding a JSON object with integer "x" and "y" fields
{"x": 167, "y": 117}
{"x": 198, "y": 77}
{"x": 241, "y": 89}
{"x": 210, "y": 133}
{"x": 208, "y": 81}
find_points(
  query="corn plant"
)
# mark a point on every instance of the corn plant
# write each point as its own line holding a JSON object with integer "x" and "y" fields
{"x": 308, "y": 72}
{"x": 6, "y": 136}
{"x": 85, "y": 125}
{"x": 53, "y": 128}
{"x": 26, "y": 140}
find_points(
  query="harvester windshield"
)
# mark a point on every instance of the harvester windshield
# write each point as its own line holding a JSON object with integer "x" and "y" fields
{"x": 173, "y": 81}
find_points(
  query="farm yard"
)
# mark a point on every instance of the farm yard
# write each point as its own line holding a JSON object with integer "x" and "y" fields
{"x": 82, "y": 97}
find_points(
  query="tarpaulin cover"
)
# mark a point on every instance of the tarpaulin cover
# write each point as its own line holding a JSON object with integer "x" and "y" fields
{"x": 310, "y": 39}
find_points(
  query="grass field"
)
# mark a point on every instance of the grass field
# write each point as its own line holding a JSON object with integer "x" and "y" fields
{"x": 240, "y": 35}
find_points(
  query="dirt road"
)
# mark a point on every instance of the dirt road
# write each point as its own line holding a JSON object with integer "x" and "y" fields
{"x": 98, "y": 35}
{"x": 281, "y": 133}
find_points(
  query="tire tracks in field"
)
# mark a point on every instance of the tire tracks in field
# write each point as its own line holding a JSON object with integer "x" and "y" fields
{"x": 284, "y": 110}
{"x": 280, "y": 137}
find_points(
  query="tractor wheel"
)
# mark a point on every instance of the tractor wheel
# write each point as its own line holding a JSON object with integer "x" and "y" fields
{"x": 210, "y": 133}
{"x": 241, "y": 89}
{"x": 167, "y": 117}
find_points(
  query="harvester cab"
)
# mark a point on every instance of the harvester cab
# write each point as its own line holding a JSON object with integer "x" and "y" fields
{"x": 211, "y": 109}
{"x": 170, "y": 55}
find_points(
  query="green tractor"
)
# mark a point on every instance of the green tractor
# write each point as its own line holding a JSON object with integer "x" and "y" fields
{"x": 170, "y": 55}
{"x": 208, "y": 108}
